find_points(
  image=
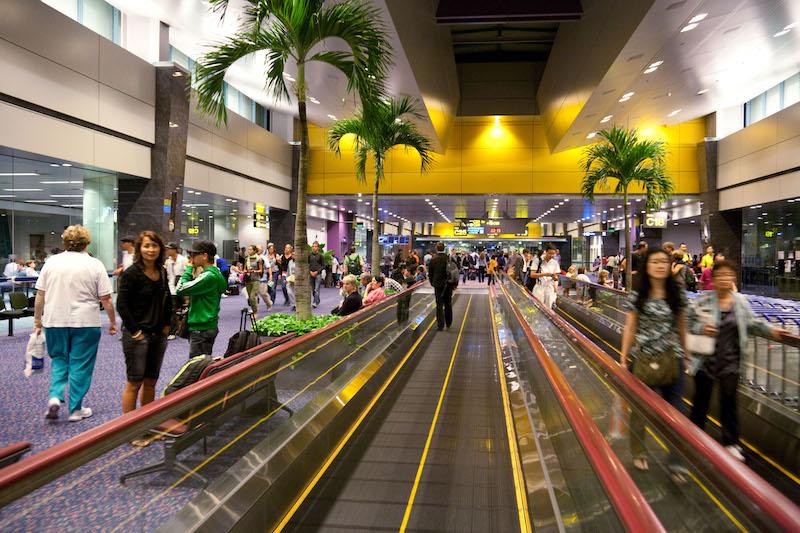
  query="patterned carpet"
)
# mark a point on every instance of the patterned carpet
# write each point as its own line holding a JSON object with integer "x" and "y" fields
{"x": 91, "y": 497}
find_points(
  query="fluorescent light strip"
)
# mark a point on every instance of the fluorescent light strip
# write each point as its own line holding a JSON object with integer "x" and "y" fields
{"x": 14, "y": 174}
{"x": 40, "y": 201}
{"x": 66, "y": 196}
{"x": 22, "y": 190}
{"x": 74, "y": 182}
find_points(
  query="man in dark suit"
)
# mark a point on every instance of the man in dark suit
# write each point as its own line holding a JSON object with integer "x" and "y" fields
{"x": 437, "y": 273}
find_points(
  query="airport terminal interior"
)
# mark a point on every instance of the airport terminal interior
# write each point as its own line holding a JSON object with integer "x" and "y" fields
{"x": 400, "y": 265}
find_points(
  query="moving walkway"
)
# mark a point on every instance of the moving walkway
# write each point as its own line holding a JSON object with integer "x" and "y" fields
{"x": 505, "y": 422}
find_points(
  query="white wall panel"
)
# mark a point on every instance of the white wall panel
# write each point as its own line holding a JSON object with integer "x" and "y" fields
{"x": 40, "y": 134}
{"x": 125, "y": 114}
{"x": 46, "y": 32}
{"x": 114, "y": 153}
{"x": 788, "y": 123}
{"x": 30, "y": 77}
{"x": 126, "y": 73}
{"x": 196, "y": 176}
{"x": 769, "y": 190}
{"x": 200, "y": 143}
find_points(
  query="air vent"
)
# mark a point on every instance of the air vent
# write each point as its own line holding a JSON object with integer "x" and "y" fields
{"x": 609, "y": 91}
{"x": 637, "y": 56}
{"x": 675, "y": 5}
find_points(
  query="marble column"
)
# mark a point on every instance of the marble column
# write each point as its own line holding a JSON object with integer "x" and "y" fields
{"x": 722, "y": 230}
{"x": 155, "y": 205}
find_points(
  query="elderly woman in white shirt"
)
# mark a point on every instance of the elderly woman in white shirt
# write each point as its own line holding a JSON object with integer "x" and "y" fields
{"x": 68, "y": 289}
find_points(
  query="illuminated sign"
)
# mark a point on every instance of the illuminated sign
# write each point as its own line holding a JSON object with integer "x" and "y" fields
{"x": 769, "y": 233}
{"x": 495, "y": 226}
{"x": 459, "y": 232}
{"x": 193, "y": 230}
{"x": 260, "y": 224}
{"x": 476, "y": 230}
{"x": 656, "y": 220}
{"x": 260, "y": 208}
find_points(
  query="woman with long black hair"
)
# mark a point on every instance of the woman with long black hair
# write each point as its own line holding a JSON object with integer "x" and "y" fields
{"x": 655, "y": 335}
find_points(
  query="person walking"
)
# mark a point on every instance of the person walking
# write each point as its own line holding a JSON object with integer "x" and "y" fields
{"x": 546, "y": 274}
{"x": 654, "y": 336}
{"x": 316, "y": 270}
{"x": 491, "y": 269}
{"x": 353, "y": 263}
{"x": 126, "y": 244}
{"x": 204, "y": 284}
{"x": 253, "y": 272}
{"x": 175, "y": 265}
{"x": 707, "y": 260}
{"x": 273, "y": 270}
{"x": 283, "y": 266}
{"x": 725, "y": 316}
{"x": 443, "y": 289}
{"x": 481, "y": 267}
{"x": 336, "y": 269}
{"x": 291, "y": 273}
{"x": 144, "y": 304}
{"x": 68, "y": 289}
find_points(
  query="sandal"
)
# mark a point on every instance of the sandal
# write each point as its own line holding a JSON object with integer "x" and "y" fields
{"x": 640, "y": 463}
{"x": 141, "y": 442}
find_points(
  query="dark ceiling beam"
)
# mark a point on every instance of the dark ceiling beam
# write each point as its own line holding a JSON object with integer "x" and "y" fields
{"x": 504, "y": 41}
{"x": 482, "y": 12}
{"x": 501, "y": 56}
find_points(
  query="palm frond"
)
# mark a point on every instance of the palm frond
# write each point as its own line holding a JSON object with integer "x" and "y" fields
{"x": 361, "y": 154}
{"x": 340, "y": 128}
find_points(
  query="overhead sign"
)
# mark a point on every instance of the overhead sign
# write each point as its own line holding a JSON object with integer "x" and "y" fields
{"x": 260, "y": 216}
{"x": 193, "y": 230}
{"x": 492, "y": 226}
{"x": 656, "y": 220}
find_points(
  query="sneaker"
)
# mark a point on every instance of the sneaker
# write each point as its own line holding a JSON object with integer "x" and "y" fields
{"x": 736, "y": 451}
{"x": 52, "y": 409}
{"x": 170, "y": 337}
{"x": 314, "y": 306}
{"x": 79, "y": 414}
{"x": 224, "y": 295}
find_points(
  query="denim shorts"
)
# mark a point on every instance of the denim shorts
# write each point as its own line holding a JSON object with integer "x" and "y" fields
{"x": 143, "y": 357}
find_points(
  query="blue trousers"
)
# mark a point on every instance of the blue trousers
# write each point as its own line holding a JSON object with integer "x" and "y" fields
{"x": 73, "y": 352}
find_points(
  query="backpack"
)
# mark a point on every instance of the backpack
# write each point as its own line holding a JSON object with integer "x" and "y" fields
{"x": 452, "y": 272}
{"x": 689, "y": 277}
{"x": 189, "y": 373}
{"x": 353, "y": 265}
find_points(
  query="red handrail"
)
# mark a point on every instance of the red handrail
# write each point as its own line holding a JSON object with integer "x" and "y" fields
{"x": 743, "y": 486}
{"x": 630, "y": 504}
{"x": 62, "y": 453}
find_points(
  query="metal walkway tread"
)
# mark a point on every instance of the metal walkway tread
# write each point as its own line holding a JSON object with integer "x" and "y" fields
{"x": 467, "y": 470}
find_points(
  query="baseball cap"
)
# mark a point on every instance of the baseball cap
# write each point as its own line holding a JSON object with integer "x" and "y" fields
{"x": 171, "y": 246}
{"x": 204, "y": 247}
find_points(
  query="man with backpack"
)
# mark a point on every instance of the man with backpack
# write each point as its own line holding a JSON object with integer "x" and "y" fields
{"x": 443, "y": 274}
{"x": 352, "y": 263}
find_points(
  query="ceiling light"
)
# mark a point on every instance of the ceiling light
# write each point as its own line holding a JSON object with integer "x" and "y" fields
{"x": 606, "y": 118}
{"x": 8, "y": 196}
{"x": 697, "y": 18}
{"x": 656, "y": 64}
{"x": 19, "y": 174}
{"x": 332, "y": 117}
{"x": 650, "y": 70}
{"x": 591, "y": 135}
{"x": 66, "y": 165}
{"x": 173, "y": 124}
{"x": 66, "y": 196}
{"x": 313, "y": 100}
{"x": 192, "y": 192}
{"x": 765, "y": 214}
{"x": 628, "y": 95}
{"x": 22, "y": 190}
{"x": 689, "y": 27}
{"x": 54, "y": 165}
{"x": 702, "y": 91}
{"x": 674, "y": 112}
{"x": 41, "y": 201}
{"x": 177, "y": 74}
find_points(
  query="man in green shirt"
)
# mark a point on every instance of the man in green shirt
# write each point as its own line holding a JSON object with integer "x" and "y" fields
{"x": 204, "y": 284}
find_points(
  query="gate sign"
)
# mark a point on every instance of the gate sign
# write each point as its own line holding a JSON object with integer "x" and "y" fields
{"x": 655, "y": 220}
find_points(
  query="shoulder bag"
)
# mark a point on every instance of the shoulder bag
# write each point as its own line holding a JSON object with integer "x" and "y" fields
{"x": 656, "y": 370}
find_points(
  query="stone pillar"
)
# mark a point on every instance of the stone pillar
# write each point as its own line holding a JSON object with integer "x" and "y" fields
{"x": 722, "y": 230}
{"x": 156, "y": 206}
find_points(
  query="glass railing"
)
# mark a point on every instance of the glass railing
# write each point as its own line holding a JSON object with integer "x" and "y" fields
{"x": 771, "y": 367}
{"x": 212, "y": 435}
{"x": 691, "y": 482}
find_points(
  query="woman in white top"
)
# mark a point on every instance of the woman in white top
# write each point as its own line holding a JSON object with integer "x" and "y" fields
{"x": 68, "y": 289}
{"x": 271, "y": 266}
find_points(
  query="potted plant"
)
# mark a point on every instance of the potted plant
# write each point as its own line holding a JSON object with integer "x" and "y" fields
{"x": 278, "y": 324}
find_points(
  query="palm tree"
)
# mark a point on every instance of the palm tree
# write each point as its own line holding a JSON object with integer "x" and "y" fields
{"x": 377, "y": 128}
{"x": 622, "y": 156}
{"x": 297, "y": 30}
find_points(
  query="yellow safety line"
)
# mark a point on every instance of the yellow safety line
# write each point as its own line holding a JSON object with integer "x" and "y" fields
{"x": 415, "y": 486}
{"x": 249, "y": 429}
{"x": 744, "y": 442}
{"x": 513, "y": 450}
{"x": 303, "y": 495}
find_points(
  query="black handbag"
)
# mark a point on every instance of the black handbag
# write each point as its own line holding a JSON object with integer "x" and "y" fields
{"x": 656, "y": 370}
{"x": 182, "y": 323}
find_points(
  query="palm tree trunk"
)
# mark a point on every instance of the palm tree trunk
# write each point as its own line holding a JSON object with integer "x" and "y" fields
{"x": 302, "y": 285}
{"x": 628, "y": 265}
{"x": 376, "y": 247}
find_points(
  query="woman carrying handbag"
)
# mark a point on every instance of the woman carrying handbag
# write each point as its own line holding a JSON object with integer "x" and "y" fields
{"x": 656, "y": 327}
{"x": 720, "y": 321}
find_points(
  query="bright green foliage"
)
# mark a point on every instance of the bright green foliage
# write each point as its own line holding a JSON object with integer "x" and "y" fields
{"x": 278, "y": 324}
{"x": 621, "y": 159}
{"x": 389, "y": 292}
{"x": 378, "y": 128}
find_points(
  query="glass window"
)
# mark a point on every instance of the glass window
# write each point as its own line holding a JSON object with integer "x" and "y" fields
{"x": 68, "y": 7}
{"x": 773, "y": 100}
{"x": 791, "y": 91}
{"x": 98, "y": 16}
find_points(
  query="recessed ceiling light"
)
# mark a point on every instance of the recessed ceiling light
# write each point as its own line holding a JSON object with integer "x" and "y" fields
{"x": 674, "y": 112}
{"x": 650, "y": 70}
{"x": 591, "y": 135}
{"x": 54, "y": 165}
{"x": 606, "y": 118}
{"x": 689, "y": 27}
{"x": 66, "y": 196}
{"x": 22, "y": 190}
{"x": 698, "y": 18}
{"x": 313, "y": 100}
{"x": 656, "y": 64}
{"x": 702, "y": 91}
{"x": 12, "y": 174}
{"x": 41, "y": 201}
{"x": 781, "y": 33}
{"x": 332, "y": 117}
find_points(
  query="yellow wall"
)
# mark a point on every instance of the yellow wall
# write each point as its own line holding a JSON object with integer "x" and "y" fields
{"x": 486, "y": 155}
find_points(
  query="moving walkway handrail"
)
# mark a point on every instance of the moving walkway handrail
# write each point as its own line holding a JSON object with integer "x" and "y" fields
{"x": 752, "y": 494}
{"x": 630, "y": 504}
{"x": 36, "y": 470}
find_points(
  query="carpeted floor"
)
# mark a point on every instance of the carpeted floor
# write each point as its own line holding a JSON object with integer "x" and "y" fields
{"x": 23, "y": 401}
